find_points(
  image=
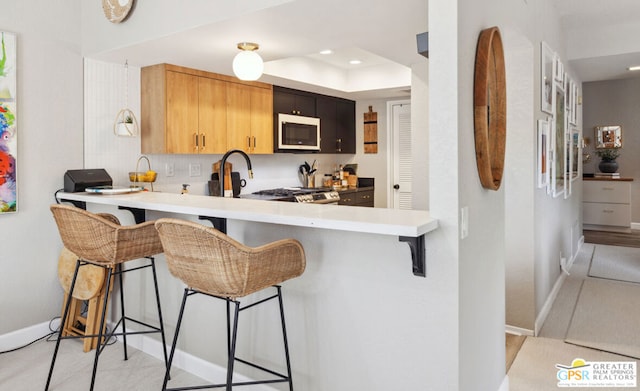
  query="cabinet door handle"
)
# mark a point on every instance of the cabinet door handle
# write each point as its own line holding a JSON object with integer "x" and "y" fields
{"x": 607, "y": 211}
{"x": 254, "y": 142}
{"x": 195, "y": 137}
{"x": 607, "y": 188}
{"x": 248, "y": 143}
{"x": 339, "y": 145}
{"x": 204, "y": 144}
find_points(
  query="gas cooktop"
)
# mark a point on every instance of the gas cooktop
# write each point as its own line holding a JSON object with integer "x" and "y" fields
{"x": 301, "y": 194}
{"x": 289, "y": 191}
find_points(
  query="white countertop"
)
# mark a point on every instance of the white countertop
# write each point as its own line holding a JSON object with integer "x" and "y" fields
{"x": 411, "y": 223}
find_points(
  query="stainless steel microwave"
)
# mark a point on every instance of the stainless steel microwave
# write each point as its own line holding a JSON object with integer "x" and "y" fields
{"x": 297, "y": 133}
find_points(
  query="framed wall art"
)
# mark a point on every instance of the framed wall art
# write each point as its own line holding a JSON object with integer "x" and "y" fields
{"x": 609, "y": 136}
{"x": 543, "y": 153}
{"x": 558, "y": 69}
{"x": 576, "y": 137}
{"x": 547, "y": 71}
{"x": 558, "y": 168}
{"x": 8, "y": 123}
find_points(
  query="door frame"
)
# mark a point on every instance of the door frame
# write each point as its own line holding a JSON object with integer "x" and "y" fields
{"x": 391, "y": 158}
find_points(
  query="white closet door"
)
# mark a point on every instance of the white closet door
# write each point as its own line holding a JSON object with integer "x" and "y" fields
{"x": 403, "y": 162}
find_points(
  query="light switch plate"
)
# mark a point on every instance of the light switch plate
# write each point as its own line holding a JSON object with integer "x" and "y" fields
{"x": 464, "y": 222}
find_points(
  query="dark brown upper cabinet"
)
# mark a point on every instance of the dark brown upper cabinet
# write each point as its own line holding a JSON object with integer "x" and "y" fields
{"x": 289, "y": 101}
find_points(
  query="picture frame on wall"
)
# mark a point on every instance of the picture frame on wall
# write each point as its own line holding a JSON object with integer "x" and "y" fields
{"x": 8, "y": 123}
{"x": 558, "y": 168}
{"x": 574, "y": 111}
{"x": 543, "y": 158}
{"x": 547, "y": 72}
{"x": 568, "y": 99}
{"x": 558, "y": 69}
{"x": 569, "y": 158}
{"x": 576, "y": 136}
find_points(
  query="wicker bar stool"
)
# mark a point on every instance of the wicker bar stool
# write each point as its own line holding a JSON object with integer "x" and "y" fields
{"x": 213, "y": 264}
{"x": 100, "y": 240}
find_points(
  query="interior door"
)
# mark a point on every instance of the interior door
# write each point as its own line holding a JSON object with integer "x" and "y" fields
{"x": 402, "y": 162}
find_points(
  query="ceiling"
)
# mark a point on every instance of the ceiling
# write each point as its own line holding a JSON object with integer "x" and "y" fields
{"x": 601, "y": 42}
{"x": 381, "y": 34}
{"x": 602, "y": 37}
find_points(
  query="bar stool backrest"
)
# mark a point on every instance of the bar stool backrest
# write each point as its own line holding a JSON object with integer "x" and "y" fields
{"x": 209, "y": 261}
{"x": 100, "y": 239}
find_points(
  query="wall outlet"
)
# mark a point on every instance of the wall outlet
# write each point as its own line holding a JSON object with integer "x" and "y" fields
{"x": 169, "y": 169}
{"x": 194, "y": 169}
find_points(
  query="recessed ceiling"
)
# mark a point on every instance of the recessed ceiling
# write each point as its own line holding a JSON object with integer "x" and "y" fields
{"x": 379, "y": 35}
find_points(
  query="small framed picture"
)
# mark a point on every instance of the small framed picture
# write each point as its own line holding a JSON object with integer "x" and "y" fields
{"x": 558, "y": 73}
{"x": 559, "y": 157}
{"x": 543, "y": 153}
{"x": 576, "y": 136}
{"x": 547, "y": 71}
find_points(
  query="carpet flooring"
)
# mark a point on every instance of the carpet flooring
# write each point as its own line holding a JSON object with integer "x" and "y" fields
{"x": 26, "y": 369}
{"x": 616, "y": 263}
{"x": 606, "y": 317}
{"x": 534, "y": 366}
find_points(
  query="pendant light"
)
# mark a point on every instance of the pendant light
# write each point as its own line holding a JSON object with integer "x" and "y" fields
{"x": 248, "y": 65}
{"x": 126, "y": 123}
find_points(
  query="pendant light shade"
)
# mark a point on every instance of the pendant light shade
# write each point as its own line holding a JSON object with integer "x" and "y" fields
{"x": 248, "y": 65}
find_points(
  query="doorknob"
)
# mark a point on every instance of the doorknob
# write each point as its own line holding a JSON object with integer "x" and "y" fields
{"x": 396, "y": 186}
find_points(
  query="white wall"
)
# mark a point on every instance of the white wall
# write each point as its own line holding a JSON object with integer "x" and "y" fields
{"x": 49, "y": 142}
{"x": 481, "y": 257}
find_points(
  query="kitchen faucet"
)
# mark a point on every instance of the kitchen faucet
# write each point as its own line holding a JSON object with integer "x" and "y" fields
{"x": 224, "y": 160}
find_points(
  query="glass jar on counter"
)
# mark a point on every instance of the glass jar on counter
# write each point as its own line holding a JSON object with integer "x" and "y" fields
{"x": 327, "y": 180}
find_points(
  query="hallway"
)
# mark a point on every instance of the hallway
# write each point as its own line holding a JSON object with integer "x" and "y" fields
{"x": 534, "y": 367}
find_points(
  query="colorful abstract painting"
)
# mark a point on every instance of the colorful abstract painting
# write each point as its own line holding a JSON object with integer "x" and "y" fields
{"x": 8, "y": 123}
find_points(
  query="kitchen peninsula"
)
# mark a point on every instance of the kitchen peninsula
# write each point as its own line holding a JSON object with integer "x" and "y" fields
{"x": 409, "y": 225}
{"x": 356, "y": 294}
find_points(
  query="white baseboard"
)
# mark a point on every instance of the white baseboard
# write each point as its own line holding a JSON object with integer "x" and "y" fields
{"x": 542, "y": 316}
{"x": 505, "y": 384}
{"x": 635, "y": 225}
{"x": 18, "y": 338}
{"x": 518, "y": 331}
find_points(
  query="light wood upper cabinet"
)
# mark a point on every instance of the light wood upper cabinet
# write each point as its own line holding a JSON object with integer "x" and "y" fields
{"x": 186, "y": 111}
{"x": 250, "y": 118}
{"x": 212, "y": 115}
{"x": 182, "y": 119}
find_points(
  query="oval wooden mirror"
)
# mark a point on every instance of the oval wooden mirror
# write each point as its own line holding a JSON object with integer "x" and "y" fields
{"x": 490, "y": 108}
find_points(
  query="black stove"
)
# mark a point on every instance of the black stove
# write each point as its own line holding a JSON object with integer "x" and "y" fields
{"x": 301, "y": 194}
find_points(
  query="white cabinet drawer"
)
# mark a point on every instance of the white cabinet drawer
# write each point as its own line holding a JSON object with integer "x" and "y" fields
{"x": 606, "y": 214}
{"x": 607, "y": 191}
